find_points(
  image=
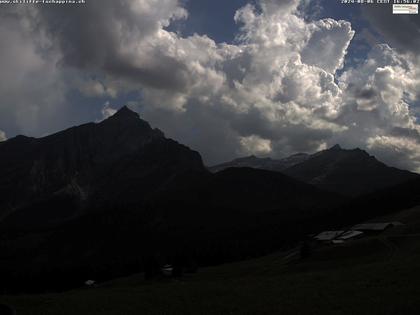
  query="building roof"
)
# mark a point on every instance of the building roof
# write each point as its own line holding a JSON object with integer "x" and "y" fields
{"x": 397, "y": 223}
{"x": 328, "y": 235}
{"x": 350, "y": 234}
{"x": 90, "y": 282}
{"x": 372, "y": 226}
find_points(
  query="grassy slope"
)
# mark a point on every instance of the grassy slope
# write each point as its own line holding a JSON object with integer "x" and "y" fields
{"x": 374, "y": 275}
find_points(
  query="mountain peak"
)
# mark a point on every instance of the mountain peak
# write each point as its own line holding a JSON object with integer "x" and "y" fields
{"x": 125, "y": 112}
{"x": 245, "y": 158}
{"x": 336, "y": 147}
{"x": 130, "y": 121}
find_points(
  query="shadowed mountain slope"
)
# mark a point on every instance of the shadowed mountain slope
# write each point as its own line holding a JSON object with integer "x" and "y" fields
{"x": 119, "y": 160}
{"x": 262, "y": 163}
{"x": 102, "y": 200}
{"x": 348, "y": 172}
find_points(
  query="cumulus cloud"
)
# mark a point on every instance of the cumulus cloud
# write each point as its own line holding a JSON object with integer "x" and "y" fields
{"x": 329, "y": 39}
{"x": 398, "y": 151}
{"x": 259, "y": 90}
{"x": 52, "y": 52}
{"x": 107, "y": 111}
{"x": 31, "y": 85}
{"x": 255, "y": 145}
{"x": 273, "y": 91}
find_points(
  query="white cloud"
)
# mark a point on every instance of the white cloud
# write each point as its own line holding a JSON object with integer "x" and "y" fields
{"x": 255, "y": 145}
{"x": 95, "y": 88}
{"x": 107, "y": 111}
{"x": 398, "y": 151}
{"x": 328, "y": 44}
{"x": 2, "y": 136}
{"x": 31, "y": 89}
{"x": 261, "y": 86}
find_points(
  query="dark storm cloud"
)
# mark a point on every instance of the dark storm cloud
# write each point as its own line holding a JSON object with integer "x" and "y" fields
{"x": 406, "y": 133}
{"x": 101, "y": 35}
{"x": 253, "y": 122}
{"x": 168, "y": 73}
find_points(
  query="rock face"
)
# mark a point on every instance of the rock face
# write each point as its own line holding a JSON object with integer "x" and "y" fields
{"x": 348, "y": 172}
{"x": 119, "y": 159}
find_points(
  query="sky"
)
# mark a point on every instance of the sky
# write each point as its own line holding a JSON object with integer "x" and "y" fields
{"x": 227, "y": 78}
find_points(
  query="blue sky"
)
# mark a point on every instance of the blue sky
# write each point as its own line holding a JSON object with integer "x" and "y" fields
{"x": 213, "y": 18}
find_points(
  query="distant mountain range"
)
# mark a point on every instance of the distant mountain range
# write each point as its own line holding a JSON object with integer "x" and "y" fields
{"x": 268, "y": 164}
{"x": 348, "y": 172}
